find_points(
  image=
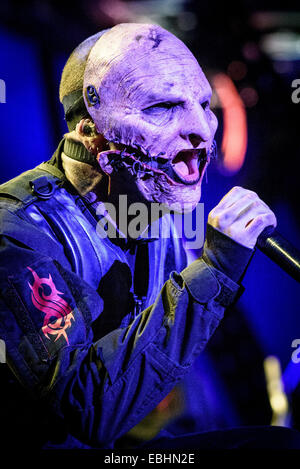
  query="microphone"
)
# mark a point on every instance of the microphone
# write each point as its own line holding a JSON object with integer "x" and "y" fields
{"x": 280, "y": 251}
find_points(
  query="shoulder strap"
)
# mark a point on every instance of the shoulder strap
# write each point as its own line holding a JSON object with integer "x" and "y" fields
{"x": 38, "y": 183}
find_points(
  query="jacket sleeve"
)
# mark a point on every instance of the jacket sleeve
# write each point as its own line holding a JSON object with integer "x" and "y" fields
{"x": 102, "y": 389}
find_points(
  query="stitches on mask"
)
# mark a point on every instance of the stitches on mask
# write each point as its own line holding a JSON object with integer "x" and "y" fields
{"x": 213, "y": 151}
{"x": 141, "y": 163}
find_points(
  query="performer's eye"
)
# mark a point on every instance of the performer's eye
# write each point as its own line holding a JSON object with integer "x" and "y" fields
{"x": 205, "y": 105}
{"x": 159, "y": 108}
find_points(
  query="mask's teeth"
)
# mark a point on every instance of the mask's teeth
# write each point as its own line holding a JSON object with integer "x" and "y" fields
{"x": 202, "y": 156}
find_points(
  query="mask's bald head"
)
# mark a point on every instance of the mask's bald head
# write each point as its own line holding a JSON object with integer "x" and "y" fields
{"x": 127, "y": 44}
{"x": 132, "y": 63}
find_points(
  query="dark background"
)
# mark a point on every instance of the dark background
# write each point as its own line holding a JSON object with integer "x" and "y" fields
{"x": 36, "y": 38}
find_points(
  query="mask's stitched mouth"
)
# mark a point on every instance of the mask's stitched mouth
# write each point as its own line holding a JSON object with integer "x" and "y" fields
{"x": 187, "y": 167}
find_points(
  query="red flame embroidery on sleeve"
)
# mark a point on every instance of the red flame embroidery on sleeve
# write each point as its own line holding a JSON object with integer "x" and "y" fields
{"x": 58, "y": 314}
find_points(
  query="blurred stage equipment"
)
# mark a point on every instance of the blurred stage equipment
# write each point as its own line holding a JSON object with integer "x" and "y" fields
{"x": 234, "y": 142}
{"x": 278, "y": 399}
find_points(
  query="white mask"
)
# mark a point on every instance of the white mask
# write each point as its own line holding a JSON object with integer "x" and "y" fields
{"x": 145, "y": 90}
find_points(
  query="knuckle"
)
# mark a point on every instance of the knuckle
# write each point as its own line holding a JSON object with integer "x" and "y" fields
{"x": 223, "y": 216}
{"x": 256, "y": 204}
{"x": 251, "y": 195}
{"x": 272, "y": 218}
{"x": 219, "y": 222}
{"x": 260, "y": 219}
{"x": 254, "y": 194}
{"x": 236, "y": 189}
{"x": 248, "y": 196}
{"x": 225, "y": 219}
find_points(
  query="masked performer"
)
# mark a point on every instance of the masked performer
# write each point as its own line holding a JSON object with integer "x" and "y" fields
{"x": 99, "y": 329}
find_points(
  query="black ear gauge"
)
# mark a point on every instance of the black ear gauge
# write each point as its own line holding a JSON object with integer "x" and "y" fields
{"x": 87, "y": 130}
{"x": 92, "y": 95}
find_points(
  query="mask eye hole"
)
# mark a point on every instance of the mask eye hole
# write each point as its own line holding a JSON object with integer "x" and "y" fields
{"x": 159, "y": 108}
{"x": 205, "y": 105}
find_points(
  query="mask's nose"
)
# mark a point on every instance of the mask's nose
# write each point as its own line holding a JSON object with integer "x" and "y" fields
{"x": 195, "y": 139}
{"x": 195, "y": 128}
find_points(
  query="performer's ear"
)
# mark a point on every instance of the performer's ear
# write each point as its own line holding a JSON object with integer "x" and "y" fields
{"x": 86, "y": 128}
{"x": 87, "y": 133}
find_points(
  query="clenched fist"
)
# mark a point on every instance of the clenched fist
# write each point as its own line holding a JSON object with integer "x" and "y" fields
{"x": 242, "y": 216}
